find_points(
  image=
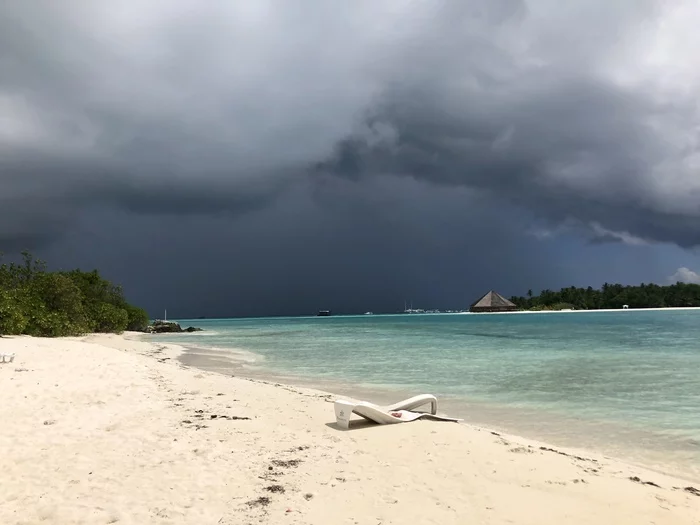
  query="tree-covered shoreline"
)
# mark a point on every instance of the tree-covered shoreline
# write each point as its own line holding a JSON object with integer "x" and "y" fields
{"x": 34, "y": 301}
{"x": 613, "y": 296}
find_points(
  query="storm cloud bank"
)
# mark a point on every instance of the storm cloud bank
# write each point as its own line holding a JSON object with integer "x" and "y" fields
{"x": 580, "y": 116}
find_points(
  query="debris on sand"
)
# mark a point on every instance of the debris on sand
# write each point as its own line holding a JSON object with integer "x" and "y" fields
{"x": 650, "y": 483}
{"x": 230, "y": 418}
{"x": 692, "y": 490}
{"x": 262, "y": 501}
{"x": 547, "y": 449}
{"x": 286, "y": 464}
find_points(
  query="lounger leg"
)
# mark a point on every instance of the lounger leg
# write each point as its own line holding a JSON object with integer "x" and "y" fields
{"x": 343, "y": 411}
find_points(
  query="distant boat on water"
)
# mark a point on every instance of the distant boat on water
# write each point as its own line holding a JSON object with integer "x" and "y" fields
{"x": 165, "y": 319}
{"x": 369, "y": 313}
{"x": 323, "y": 313}
{"x": 412, "y": 310}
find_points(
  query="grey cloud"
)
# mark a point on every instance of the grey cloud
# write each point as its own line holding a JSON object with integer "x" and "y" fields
{"x": 562, "y": 139}
{"x": 234, "y": 111}
{"x": 527, "y": 152}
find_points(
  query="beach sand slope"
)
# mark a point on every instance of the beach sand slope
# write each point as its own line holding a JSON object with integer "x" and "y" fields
{"x": 104, "y": 429}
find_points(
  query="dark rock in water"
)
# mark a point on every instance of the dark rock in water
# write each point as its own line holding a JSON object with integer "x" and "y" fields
{"x": 168, "y": 327}
{"x": 162, "y": 327}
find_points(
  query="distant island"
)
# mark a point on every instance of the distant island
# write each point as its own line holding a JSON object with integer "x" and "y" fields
{"x": 34, "y": 301}
{"x": 612, "y": 296}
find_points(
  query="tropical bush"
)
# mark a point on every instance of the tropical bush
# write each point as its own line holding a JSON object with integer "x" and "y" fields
{"x": 34, "y": 301}
{"x": 137, "y": 318}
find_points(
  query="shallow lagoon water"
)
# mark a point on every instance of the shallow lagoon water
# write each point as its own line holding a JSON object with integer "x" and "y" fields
{"x": 626, "y": 382}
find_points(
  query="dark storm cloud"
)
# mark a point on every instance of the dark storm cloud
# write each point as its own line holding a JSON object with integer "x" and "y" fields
{"x": 170, "y": 107}
{"x": 43, "y": 197}
{"x": 581, "y": 115}
{"x": 341, "y": 250}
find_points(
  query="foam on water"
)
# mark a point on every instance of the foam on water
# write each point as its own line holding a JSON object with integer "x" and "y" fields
{"x": 612, "y": 380}
{"x": 238, "y": 355}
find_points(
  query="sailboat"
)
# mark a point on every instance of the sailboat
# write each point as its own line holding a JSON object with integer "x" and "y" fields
{"x": 165, "y": 318}
{"x": 411, "y": 310}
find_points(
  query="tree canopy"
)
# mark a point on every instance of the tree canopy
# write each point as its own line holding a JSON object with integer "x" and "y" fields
{"x": 612, "y": 296}
{"x": 34, "y": 301}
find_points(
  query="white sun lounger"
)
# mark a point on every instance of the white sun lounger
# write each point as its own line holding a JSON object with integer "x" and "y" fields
{"x": 397, "y": 413}
{"x": 7, "y": 358}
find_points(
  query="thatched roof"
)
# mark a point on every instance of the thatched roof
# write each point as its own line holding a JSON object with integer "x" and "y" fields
{"x": 493, "y": 300}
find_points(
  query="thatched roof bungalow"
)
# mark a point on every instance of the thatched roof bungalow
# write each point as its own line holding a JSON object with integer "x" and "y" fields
{"x": 493, "y": 302}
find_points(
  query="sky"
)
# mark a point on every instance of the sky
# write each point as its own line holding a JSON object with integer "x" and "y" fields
{"x": 276, "y": 158}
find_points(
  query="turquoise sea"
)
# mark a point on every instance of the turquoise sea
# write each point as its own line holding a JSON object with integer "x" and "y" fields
{"x": 626, "y": 382}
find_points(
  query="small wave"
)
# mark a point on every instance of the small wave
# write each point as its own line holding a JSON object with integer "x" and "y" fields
{"x": 256, "y": 335}
{"x": 492, "y": 335}
{"x": 238, "y": 354}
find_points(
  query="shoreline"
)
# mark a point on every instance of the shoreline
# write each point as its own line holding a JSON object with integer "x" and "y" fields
{"x": 487, "y": 416}
{"x": 104, "y": 429}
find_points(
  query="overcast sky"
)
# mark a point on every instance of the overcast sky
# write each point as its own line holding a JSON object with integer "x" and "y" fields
{"x": 272, "y": 157}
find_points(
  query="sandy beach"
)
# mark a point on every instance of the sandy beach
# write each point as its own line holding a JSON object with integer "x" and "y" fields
{"x": 108, "y": 429}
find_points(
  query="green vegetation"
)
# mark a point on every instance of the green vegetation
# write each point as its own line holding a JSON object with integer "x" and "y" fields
{"x": 36, "y": 302}
{"x": 612, "y": 296}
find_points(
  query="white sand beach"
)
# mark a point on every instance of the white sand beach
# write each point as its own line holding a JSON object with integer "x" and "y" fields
{"x": 106, "y": 429}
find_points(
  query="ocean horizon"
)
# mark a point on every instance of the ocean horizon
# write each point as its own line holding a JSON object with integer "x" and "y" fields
{"x": 622, "y": 382}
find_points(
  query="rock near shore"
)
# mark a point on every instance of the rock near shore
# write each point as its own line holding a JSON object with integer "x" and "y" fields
{"x": 168, "y": 327}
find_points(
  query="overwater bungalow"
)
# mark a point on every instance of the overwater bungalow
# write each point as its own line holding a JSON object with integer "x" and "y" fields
{"x": 493, "y": 302}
